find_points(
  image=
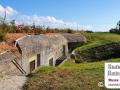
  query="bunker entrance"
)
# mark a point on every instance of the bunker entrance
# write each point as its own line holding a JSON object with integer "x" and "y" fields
{"x": 64, "y": 50}
{"x": 32, "y": 65}
{"x": 38, "y": 60}
{"x": 51, "y": 62}
{"x": 73, "y": 45}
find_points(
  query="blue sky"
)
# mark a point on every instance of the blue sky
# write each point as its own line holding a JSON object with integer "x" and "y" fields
{"x": 98, "y": 15}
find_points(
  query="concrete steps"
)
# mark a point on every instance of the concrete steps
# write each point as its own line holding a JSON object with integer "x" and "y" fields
{"x": 18, "y": 66}
{"x": 60, "y": 60}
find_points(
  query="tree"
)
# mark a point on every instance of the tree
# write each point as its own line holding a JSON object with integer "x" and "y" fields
{"x": 114, "y": 30}
{"x": 13, "y": 27}
{"x": 4, "y": 25}
{"x": 117, "y": 29}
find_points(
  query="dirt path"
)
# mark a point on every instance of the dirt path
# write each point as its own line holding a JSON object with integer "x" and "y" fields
{"x": 12, "y": 82}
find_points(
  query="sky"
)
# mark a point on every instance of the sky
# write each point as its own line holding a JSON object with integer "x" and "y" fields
{"x": 96, "y": 15}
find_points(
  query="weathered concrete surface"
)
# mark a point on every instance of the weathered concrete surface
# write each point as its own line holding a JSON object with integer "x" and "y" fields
{"x": 75, "y": 38}
{"x": 6, "y": 65}
{"x": 9, "y": 82}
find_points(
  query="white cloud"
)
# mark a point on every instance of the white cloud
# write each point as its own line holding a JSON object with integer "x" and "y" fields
{"x": 49, "y": 21}
{"x": 39, "y": 20}
{"x": 9, "y": 11}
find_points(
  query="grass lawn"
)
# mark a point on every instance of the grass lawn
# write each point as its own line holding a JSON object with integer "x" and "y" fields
{"x": 93, "y": 44}
{"x": 102, "y": 36}
{"x": 98, "y": 39}
{"x": 70, "y": 76}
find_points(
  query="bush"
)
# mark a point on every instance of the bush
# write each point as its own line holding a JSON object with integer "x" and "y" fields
{"x": 114, "y": 30}
{"x": 72, "y": 56}
{"x": 2, "y": 35}
{"x": 69, "y": 31}
{"x": 78, "y": 58}
{"x": 88, "y": 31}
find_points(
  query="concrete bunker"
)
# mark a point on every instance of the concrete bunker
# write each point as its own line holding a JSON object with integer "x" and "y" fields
{"x": 41, "y": 50}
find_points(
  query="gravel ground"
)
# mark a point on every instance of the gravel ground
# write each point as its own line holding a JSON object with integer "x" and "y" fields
{"x": 12, "y": 82}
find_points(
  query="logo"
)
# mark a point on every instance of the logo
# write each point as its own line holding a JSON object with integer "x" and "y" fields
{"x": 112, "y": 75}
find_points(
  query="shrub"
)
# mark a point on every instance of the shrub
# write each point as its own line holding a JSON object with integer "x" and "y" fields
{"x": 78, "y": 58}
{"x": 88, "y": 31}
{"x": 69, "y": 31}
{"x": 114, "y": 30}
{"x": 72, "y": 56}
{"x": 2, "y": 35}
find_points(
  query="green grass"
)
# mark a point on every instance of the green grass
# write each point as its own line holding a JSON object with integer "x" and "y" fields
{"x": 98, "y": 39}
{"x": 102, "y": 36}
{"x": 70, "y": 76}
{"x": 93, "y": 44}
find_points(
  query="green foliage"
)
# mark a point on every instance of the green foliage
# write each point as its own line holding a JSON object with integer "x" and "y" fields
{"x": 88, "y": 31}
{"x": 114, "y": 31}
{"x": 69, "y": 31}
{"x": 2, "y": 35}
